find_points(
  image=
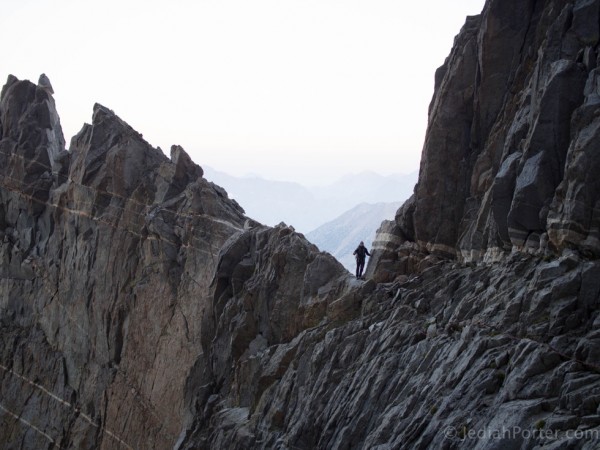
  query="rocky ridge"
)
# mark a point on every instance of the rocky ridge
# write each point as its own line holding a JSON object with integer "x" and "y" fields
{"x": 140, "y": 307}
{"x": 110, "y": 256}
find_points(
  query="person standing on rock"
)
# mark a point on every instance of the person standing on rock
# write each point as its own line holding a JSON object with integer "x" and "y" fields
{"x": 360, "y": 253}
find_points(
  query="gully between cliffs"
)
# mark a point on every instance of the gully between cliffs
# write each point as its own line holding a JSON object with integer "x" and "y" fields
{"x": 141, "y": 308}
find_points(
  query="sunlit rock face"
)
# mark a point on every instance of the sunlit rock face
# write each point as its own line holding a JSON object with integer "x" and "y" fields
{"x": 141, "y": 308}
{"x": 108, "y": 251}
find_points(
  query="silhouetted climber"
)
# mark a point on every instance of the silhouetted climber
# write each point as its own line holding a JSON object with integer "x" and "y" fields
{"x": 361, "y": 252}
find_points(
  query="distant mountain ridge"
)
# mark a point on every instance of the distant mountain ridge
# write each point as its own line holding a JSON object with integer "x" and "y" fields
{"x": 307, "y": 208}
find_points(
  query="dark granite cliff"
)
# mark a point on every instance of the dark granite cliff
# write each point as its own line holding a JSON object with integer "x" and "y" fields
{"x": 509, "y": 160}
{"x": 140, "y": 307}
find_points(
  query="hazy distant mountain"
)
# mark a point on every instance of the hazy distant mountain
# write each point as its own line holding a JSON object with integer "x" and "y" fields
{"x": 341, "y": 236}
{"x": 369, "y": 187}
{"x": 269, "y": 202}
{"x": 306, "y": 208}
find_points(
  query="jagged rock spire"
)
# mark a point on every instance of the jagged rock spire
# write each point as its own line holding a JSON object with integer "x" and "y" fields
{"x": 44, "y": 82}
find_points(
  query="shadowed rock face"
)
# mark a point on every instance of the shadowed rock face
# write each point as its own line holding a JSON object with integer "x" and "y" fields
{"x": 512, "y": 121}
{"x": 140, "y": 307}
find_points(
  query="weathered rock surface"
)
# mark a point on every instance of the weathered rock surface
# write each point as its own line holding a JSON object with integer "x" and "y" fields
{"x": 140, "y": 307}
{"x": 118, "y": 265}
{"x": 107, "y": 255}
{"x": 513, "y": 122}
{"x": 424, "y": 361}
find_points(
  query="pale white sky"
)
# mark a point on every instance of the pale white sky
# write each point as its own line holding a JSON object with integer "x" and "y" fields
{"x": 299, "y": 90}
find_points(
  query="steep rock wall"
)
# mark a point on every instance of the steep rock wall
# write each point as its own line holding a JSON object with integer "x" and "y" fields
{"x": 507, "y": 157}
{"x": 109, "y": 253}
